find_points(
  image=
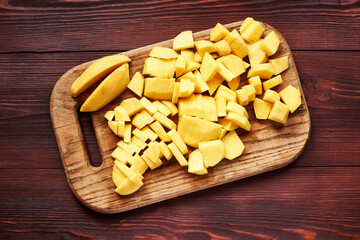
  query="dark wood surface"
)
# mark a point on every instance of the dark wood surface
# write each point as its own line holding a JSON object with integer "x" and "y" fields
{"x": 316, "y": 197}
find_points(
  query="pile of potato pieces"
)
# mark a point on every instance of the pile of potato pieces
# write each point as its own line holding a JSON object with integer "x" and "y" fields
{"x": 182, "y": 81}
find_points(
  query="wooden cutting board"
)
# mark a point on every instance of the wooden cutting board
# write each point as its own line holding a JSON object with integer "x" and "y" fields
{"x": 268, "y": 145}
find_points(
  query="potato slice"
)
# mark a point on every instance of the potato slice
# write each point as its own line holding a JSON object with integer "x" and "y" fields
{"x": 212, "y": 152}
{"x": 111, "y": 87}
{"x": 97, "y": 71}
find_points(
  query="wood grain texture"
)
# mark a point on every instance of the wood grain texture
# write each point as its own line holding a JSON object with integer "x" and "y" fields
{"x": 289, "y": 203}
{"x": 124, "y": 25}
{"x": 268, "y": 146}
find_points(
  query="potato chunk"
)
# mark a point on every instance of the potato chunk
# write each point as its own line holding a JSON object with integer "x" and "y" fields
{"x": 279, "y": 112}
{"x": 212, "y": 152}
{"x": 291, "y": 97}
{"x": 183, "y": 41}
{"x": 233, "y": 145}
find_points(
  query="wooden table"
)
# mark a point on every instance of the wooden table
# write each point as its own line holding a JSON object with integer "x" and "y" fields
{"x": 316, "y": 197}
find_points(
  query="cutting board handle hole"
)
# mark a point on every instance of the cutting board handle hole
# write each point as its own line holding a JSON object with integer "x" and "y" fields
{"x": 90, "y": 140}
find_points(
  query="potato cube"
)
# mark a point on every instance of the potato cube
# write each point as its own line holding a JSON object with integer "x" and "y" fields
{"x": 121, "y": 128}
{"x": 196, "y": 163}
{"x": 251, "y": 91}
{"x": 209, "y": 67}
{"x": 165, "y": 151}
{"x": 291, "y": 97}
{"x": 137, "y": 84}
{"x": 200, "y": 84}
{"x": 183, "y": 41}
{"x": 159, "y": 88}
{"x": 163, "y": 53}
{"x": 161, "y": 108}
{"x": 272, "y": 82}
{"x": 180, "y": 65}
{"x": 237, "y": 44}
{"x": 234, "y": 64}
{"x": 234, "y": 147}
{"x": 157, "y": 67}
{"x": 212, "y": 152}
{"x": 223, "y": 48}
{"x": 203, "y": 46}
{"x": 177, "y": 154}
{"x": 194, "y": 130}
{"x": 256, "y": 82}
{"x": 149, "y": 107}
{"x": 142, "y": 119}
{"x": 271, "y": 96}
{"x": 227, "y": 124}
{"x": 221, "y": 106}
{"x": 132, "y": 106}
{"x": 160, "y": 131}
{"x": 149, "y": 133}
{"x": 113, "y": 125}
{"x": 262, "y": 108}
{"x": 109, "y": 115}
{"x": 242, "y": 97}
{"x": 188, "y": 54}
{"x": 279, "y": 112}
{"x": 280, "y": 64}
{"x": 237, "y": 108}
{"x": 175, "y": 137}
{"x": 214, "y": 83}
{"x": 245, "y": 24}
{"x": 225, "y": 73}
{"x": 229, "y": 94}
{"x": 198, "y": 58}
{"x": 234, "y": 84}
{"x": 140, "y": 143}
{"x": 256, "y": 55}
{"x": 270, "y": 44}
{"x": 218, "y": 32}
{"x": 121, "y": 114}
{"x": 127, "y": 133}
{"x": 191, "y": 66}
{"x": 263, "y": 70}
{"x": 171, "y": 106}
{"x": 166, "y": 122}
{"x": 210, "y": 111}
{"x": 239, "y": 120}
{"x": 176, "y": 93}
{"x": 253, "y": 32}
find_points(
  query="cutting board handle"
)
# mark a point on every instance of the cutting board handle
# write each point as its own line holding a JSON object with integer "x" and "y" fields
{"x": 67, "y": 128}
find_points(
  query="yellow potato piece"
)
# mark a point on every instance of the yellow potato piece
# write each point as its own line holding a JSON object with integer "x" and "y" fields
{"x": 272, "y": 82}
{"x": 234, "y": 147}
{"x": 132, "y": 106}
{"x": 214, "y": 83}
{"x": 212, "y": 152}
{"x": 218, "y": 32}
{"x": 209, "y": 67}
{"x": 251, "y": 92}
{"x": 271, "y": 96}
{"x": 245, "y": 24}
{"x": 137, "y": 84}
{"x": 253, "y": 32}
{"x": 279, "y": 112}
{"x": 177, "y": 154}
{"x": 196, "y": 163}
{"x": 111, "y": 87}
{"x": 223, "y": 48}
{"x": 270, "y": 44}
{"x": 237, "y": 44}
{"x": 203, "y": 46}
{"x": 291, "y": 97}
{"x": 239, "y": 120}
{"x": 159, "y": 88}
{"x": 256, "y": 82}
{"x": 175, "y": 137}
{"x": 263, "y": 70}
{"x": 280, "y": 64}
{"x": 242, "y": 97}
{"x": 194, "y": 130}
{"x": 262, "y": 108}
{"x": 97, "y": 71}
{"x": 183, "y": 41}
{"x": 163, "y": 53}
